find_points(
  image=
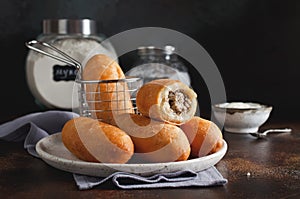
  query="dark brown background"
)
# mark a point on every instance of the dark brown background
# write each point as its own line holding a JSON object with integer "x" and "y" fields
{"x": 254, "y": 43}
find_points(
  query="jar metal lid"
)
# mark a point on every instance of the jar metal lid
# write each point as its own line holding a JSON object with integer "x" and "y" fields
{"x": 69, "y": 26}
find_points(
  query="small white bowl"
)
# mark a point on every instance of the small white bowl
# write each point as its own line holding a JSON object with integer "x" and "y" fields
{"x": 242, "y": 117}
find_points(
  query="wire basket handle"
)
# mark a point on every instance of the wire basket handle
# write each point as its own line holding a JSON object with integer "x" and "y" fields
{"x": 64, "y": 57}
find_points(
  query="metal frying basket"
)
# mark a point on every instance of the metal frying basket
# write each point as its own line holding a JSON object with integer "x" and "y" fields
{"x": 89, "y": 103}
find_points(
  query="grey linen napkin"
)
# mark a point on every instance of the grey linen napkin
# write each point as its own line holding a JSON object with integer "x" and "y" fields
{"x": 32, "y": 127}
{"x": 184, "y": 178}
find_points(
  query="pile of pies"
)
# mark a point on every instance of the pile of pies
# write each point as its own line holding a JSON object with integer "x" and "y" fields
{"x": 165, "y": 129}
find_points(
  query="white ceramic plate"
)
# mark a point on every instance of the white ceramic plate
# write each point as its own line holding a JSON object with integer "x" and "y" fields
{"x": 52, "y": 151}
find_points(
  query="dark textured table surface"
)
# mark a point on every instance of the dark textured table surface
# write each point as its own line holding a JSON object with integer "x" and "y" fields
{"x": 272, "y": 165}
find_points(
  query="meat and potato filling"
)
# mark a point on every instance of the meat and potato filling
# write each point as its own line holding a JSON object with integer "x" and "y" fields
{"x": 179, "y": 102}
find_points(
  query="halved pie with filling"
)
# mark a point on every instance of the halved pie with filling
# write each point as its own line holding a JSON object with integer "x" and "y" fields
{"x": 167, "y": 100}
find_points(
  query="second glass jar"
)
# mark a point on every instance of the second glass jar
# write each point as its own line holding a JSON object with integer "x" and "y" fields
{"x": 155, "y": 63}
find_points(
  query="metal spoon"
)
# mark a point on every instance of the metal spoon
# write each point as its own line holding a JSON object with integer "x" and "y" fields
{"x": 264, "y": 134}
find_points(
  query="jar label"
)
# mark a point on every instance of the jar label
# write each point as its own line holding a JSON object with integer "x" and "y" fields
{"x": 64, "y": 73}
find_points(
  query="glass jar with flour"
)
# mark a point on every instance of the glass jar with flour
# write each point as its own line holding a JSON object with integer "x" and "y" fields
{"x": 51, "y": 81}
{"x": 156, "y": 63}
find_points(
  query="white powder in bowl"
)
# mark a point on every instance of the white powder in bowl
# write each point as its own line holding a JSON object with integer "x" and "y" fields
{"x": 240, "y": 105}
